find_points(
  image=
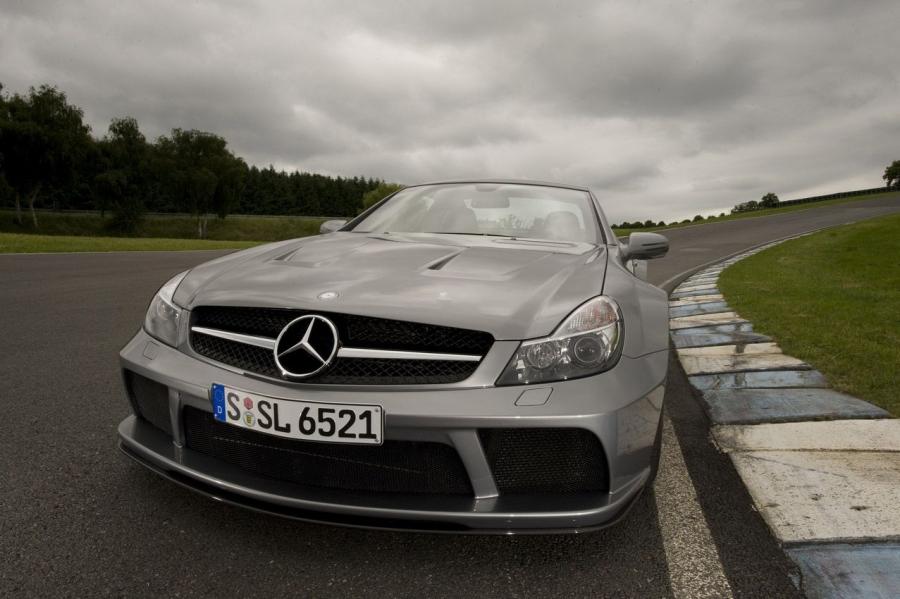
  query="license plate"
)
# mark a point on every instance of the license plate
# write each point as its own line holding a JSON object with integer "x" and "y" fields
{"x": 306, "y": 420}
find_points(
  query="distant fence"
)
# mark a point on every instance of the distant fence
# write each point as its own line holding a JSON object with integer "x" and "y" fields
{"x": 834, "y": 196}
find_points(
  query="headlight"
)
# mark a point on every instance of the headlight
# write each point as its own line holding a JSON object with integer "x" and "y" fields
{"x": 163, "y": 315}
{"x": 588, "y": 341}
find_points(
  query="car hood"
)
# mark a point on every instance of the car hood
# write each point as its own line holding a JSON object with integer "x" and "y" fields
{"x": 514, "y": 289}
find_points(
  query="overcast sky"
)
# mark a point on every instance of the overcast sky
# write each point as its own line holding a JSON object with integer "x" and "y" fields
{"x": 666, "y": 109}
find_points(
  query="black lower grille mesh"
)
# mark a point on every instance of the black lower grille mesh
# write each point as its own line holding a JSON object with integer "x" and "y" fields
{"x": 394, "y": 467}
{"x": 545, "y": 460}
{"x": 151, "y": 399}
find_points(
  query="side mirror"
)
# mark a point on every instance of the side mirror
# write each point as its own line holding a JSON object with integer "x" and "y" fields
{"x": 330, "y": 226}
{"x": 644, "y": 246}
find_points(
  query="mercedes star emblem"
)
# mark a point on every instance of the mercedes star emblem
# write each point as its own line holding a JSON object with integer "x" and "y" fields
{"x": 306, "y": 346}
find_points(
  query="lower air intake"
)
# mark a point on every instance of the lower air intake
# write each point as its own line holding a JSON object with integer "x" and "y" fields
{"x": 394, "y": 467}
{"x": 151, "y": 400}
{"x": 545, "y": 460}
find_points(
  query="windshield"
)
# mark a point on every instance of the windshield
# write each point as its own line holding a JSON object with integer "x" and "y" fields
{"x": 509, "y": 210}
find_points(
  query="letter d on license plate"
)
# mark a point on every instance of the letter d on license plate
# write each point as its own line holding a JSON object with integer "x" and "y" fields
{"x": 305, "y": 420}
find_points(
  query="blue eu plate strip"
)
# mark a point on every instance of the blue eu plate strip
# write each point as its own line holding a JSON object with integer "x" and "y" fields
{"x": 218, "y": 401}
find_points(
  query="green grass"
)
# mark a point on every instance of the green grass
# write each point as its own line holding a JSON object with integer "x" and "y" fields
{"x": 17, "y": 243}
{"x": 766, "y": 212}
{"x": 234, "y": 228}
{"x": 833, "y": 300}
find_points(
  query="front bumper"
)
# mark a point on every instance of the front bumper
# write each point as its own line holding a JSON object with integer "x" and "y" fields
{"x": 622, "y": 407}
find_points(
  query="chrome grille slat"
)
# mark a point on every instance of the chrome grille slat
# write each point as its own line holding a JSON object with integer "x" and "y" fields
{"x": 263, "y": 342}
{"x": 392, "y": 354}
{"x": 344, "y": 352}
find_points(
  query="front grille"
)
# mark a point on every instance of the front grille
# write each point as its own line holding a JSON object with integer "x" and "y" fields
{"x": 395, "y": 467}
{"x": 151, "y": 399}
{"x": 545, "y": 460}
{"x": 354, "y": 331}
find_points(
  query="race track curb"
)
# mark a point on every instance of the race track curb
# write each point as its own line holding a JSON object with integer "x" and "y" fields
{"x": 822, "y": 467}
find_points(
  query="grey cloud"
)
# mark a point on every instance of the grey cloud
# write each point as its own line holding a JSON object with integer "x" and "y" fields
{"x": 728, "y": 184}
{"x": 632, "y": 178}
{"x": 667, "y": 109}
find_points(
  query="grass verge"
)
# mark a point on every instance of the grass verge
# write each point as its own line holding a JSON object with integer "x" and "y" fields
{"x": 233, "y": 228}
{"x": 833, "y": 300}
{"x": 17, "y": 243}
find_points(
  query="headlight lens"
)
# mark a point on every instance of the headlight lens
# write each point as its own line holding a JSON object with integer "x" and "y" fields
{"x": 163, "y": 316}
{"x": 588, "y": 341}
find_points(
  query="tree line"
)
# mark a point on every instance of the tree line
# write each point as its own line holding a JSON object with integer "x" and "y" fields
{"x": 50, "y": 159}
{"x": 770, "y": 200}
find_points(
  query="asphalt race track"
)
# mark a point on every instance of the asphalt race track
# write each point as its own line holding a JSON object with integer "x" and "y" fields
{"x": 80, "y": 519}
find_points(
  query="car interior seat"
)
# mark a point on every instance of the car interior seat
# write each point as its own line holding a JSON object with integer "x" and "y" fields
{"x": 562, "y": 225}
{"x": 450, "y": 215}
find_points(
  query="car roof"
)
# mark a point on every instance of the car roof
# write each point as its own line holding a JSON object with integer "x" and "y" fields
{"x": 504, "y": 182}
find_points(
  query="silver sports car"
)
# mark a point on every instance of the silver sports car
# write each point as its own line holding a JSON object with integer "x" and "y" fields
{"x": 462, "y": 356}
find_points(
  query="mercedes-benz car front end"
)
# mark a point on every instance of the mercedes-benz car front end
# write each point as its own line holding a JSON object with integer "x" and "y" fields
{"x": 464, "y": 356}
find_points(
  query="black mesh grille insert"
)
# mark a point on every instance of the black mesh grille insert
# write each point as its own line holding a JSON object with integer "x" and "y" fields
{"x": 379, "y": 333}
{"x": 265, "y": 322}
{"x": 395, "y": 467}
{"x": 151, "y": 399}
{"x": 354, "y": 331}
{"x": 545, "y": 460}
{"x": 357, "y": 371}
{"x": 245, "y": 357}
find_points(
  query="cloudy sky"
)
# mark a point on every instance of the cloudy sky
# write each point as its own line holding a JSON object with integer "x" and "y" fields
{"x": 666, "y": 109}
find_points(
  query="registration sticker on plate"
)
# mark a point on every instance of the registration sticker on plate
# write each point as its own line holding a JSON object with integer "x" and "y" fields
{"x": 306, "y": 420}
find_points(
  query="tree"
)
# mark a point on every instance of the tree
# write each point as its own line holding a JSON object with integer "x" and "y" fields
{"x": 892, "y": 175}
{"x": 200, "y": 189}
{"x": 697, "y": 218}
{"x": 124, "y": 184}
{"x": 109, "y": 188}
{"x": 201, "y": 174}
{"x": 770, "y": 200}
{"x": 232, "y": 172}
{"x": 6, "y": 192}
{"x": 383, "y": 190}
{"x": 661, "y": 223}
{"x": 42, "y": 141}
{"x": 746, "y": 207}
